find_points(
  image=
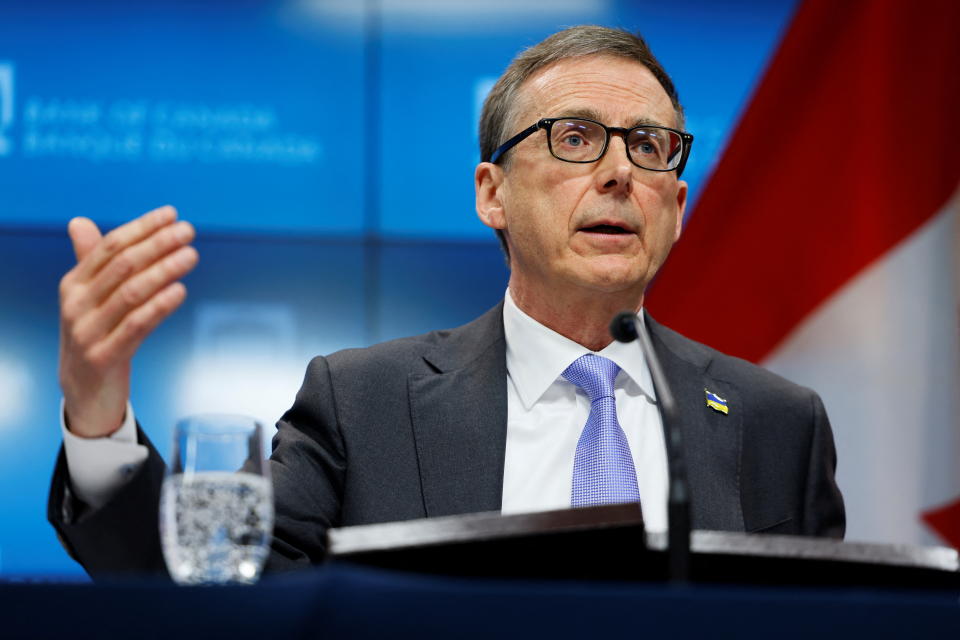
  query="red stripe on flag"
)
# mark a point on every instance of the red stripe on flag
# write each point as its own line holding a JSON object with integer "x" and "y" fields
{"x": 946, "y": 522}
{"x": 851, "y": 142}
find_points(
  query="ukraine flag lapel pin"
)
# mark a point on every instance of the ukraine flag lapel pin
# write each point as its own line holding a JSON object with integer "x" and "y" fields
{"x": 716, "y": 403}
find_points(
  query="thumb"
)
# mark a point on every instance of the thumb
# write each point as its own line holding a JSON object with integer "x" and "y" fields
{"x": 85, "y": 235}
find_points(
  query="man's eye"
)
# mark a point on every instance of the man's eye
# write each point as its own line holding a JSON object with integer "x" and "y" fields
{"x": 646, "y": 147}
{"x": 574, "y": 140}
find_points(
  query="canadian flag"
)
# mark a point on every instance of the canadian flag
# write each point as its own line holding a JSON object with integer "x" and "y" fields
{"x": 824, "y": 247}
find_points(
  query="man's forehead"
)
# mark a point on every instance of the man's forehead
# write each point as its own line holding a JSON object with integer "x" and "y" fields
{"x": 601, "y": 87}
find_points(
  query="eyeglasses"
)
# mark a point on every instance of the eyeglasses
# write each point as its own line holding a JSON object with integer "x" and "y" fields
{"x": 581, "y": 140}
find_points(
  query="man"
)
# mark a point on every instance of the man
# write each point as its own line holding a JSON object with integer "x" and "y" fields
{"x": 528, "y": 407}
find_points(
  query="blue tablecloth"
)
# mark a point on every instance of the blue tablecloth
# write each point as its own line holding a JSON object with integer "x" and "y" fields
{"x": 344, "y": 601}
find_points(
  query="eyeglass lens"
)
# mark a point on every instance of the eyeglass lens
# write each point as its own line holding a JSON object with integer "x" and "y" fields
{"x": 584, "y": 141}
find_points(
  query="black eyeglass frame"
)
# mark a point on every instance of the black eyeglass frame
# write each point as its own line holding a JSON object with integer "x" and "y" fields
{"x": 547, "y": 125}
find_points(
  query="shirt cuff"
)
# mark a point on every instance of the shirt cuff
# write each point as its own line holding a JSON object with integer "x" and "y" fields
{"x": 99, "y": 467}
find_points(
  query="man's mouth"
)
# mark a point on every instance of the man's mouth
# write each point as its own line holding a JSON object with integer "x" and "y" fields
{"x": 606, "y": 229}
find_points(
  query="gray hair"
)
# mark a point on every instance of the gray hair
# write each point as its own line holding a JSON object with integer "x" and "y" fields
{"x": 499, "y": 109}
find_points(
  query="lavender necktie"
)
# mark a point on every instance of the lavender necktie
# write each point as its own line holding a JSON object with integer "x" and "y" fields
{"x": 603, "y": 471}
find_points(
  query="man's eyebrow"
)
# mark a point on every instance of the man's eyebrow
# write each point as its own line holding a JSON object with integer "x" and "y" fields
{"x": 647, "y": 122}
{"x": 585, "y": 112}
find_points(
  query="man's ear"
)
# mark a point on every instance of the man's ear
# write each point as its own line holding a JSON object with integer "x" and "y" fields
{"x": 488, "y": 182}
{"x": 682, "y": 190}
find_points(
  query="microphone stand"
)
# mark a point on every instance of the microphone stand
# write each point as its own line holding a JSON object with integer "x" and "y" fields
{"x": 626, "y": 327}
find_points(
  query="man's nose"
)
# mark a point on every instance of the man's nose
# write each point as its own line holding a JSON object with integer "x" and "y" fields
{"x": 615, "y": 171}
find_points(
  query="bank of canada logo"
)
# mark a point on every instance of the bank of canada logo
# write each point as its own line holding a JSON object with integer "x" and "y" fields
{"x": 6, "y": 107}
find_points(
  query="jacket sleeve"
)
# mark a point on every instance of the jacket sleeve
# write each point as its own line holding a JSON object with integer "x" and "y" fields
{"x": 122, "y": 536}
{"x": 308, "y": 467}
{"x": 823, "y": 508}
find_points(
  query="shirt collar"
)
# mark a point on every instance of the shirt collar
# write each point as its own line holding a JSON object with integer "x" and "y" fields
{"x": 537, "y": 355}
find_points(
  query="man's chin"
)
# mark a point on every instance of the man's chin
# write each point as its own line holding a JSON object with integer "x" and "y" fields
{"x": 611, "y": 276}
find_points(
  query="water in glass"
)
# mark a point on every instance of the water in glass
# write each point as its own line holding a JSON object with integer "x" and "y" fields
{"x": 216, "y": 504}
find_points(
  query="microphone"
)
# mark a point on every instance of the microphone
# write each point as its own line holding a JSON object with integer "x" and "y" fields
{"x": 626, "y": 327}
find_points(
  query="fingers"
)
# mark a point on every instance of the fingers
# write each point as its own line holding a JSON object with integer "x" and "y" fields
{"x": 86, "y": 287}
{"x": 124, "y": 340}
{"x": 127, "y": 264}
{"x": 135, "y": 292}
{"x": 121, "y": 238}
{"x": 85, "y": 235}
{"x": 129, "y": 268}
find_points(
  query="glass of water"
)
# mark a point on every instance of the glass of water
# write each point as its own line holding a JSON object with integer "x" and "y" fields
{"x": 216, "y": 504}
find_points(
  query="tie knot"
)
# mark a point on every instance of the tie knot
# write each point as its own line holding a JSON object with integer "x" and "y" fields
{"x": 594, "y": 374}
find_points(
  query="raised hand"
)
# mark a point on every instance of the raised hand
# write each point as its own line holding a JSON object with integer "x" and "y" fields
{"x": 124, "y": 284}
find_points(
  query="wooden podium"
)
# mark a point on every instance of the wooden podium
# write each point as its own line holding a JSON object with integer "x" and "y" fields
{"x": 609, "y": 543}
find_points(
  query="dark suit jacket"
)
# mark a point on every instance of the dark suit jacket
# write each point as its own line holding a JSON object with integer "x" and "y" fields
{"x": 417, "y": 428}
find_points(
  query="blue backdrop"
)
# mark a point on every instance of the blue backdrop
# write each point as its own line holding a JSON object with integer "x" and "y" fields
{"x": 325, "y": 152}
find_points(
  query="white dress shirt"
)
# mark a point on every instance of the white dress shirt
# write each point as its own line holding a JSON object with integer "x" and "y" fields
{"x": 545, "y": 415}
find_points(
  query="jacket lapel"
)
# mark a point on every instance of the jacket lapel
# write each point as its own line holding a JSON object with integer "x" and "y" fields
{"x": 459, "y": 416}
{"x": 712, "y": 440}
